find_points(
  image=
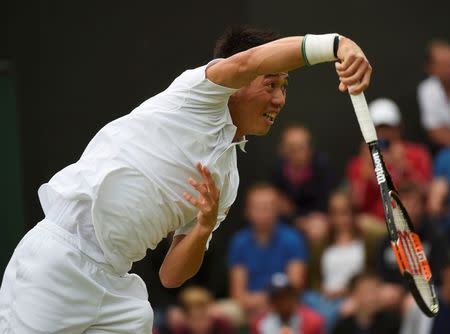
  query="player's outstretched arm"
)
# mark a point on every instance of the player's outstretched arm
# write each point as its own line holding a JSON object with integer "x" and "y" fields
{"x": 290, "y": 53}
{"x": 185, "y": 255}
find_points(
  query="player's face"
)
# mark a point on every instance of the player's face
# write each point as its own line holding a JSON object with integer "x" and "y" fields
{"x": 254, "y": 108}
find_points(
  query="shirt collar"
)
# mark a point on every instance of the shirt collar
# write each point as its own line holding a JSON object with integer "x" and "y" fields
{"x": 241, "y": 142}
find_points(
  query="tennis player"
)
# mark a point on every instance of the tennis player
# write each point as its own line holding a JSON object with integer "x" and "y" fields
{"x": 169, "y": 165}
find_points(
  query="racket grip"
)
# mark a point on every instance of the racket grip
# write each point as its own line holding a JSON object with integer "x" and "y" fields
{"x": 363, "y": 116}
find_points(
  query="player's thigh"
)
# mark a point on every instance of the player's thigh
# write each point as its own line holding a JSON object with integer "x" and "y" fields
{"x": 124, "y": 308}
{"x": 49, "y": 289}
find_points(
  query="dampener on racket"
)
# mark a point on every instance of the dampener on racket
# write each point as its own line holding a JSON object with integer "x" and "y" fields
{"x": 405, "y": 242}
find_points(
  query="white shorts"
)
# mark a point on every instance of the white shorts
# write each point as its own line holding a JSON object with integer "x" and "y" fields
{"x": 50, "y": 286}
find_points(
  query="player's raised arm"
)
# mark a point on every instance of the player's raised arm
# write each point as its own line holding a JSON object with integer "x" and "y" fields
{"x": 286, "y": 54}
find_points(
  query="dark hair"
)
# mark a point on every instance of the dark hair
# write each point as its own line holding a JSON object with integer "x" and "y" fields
{"x": 362, "y": 276}
{"x": 296, "y": 126}
{"x": 434, "y": 43}
{"x": 238, "y": 39}
{"x": 356, "y": 231}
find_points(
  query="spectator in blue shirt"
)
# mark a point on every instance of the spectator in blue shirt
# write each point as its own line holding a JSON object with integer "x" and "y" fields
{"x": 263, "y": 249}
{"x": 438, "y": 196}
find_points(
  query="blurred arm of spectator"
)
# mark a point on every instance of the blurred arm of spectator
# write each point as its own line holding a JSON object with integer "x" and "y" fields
{"x": 255, "y": 301}
{"x": 251, "y": 302}
{"x": 433, "y": 93}
{"x": 437, "y": 196}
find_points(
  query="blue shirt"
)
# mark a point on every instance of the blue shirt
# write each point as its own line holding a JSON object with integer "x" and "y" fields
{"x": 442, "y": 164}
{"x": 262, "y": 261}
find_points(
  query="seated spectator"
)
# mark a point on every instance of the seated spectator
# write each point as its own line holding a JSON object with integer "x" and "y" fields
{"x": 433, "y": 93}
{"x": 343, "y": 257}
{"x": 368, "y": 316}
{"x": 415, "y": 322}
{"x": 405, "y": 160}
{"x": 286, "y": 313}
{"x": 434, "y": 245}
{"x": 441, "y": 323}
{"x": 438, "y": 198}
{"x": 303, "y": 176}
{"x": 197, "y": 314}
{"x": 262, "y": 249}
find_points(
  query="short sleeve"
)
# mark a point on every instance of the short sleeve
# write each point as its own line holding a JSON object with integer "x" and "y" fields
{"x": 236, "y": 251}
{"x": 442, "y": 164}
{"x": 297, "y": 250}
{"x": 195, "y": 92}
{"x": 434, "y": 106}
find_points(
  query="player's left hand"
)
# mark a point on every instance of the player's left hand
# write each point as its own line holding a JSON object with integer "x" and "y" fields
{"x": 208, "y": 200}
{"x": 354, "y": 70}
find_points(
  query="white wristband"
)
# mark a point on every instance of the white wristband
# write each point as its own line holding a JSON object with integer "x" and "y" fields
{"x": 318, "y": 48}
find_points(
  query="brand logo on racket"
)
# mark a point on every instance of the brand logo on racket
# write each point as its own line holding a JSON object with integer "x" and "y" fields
{"x": 378, "y": 168}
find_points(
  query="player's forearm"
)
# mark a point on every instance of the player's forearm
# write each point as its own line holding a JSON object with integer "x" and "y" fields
{"x": 184, "y": 259}
{"x": 282, "y": 55}
{"x": 240, "y": 69}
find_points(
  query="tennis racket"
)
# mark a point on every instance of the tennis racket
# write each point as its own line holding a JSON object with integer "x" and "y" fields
{"x": 406, "y": 244}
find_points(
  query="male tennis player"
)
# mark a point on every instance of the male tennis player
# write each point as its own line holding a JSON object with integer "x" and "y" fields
{"x": 129, "y": 189}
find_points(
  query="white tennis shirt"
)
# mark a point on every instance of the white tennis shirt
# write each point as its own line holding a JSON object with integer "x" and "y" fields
{"x": 434, "y": 104}
{"x": 133, "y": 173}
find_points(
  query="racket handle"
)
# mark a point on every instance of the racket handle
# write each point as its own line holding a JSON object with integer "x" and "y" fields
{"x": 363, "y": 116}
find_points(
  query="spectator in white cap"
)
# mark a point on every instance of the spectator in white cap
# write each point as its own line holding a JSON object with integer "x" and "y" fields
{"x": 405, "y": 160}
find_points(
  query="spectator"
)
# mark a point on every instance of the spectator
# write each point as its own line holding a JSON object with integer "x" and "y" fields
{"x": 199, "y": 316}
{"x": 286, "y": 313}
{"x": 441, "y": 323}
{"x": 434, "y": 244}
{"x": 263, "y": 249}
{"x": 415, "y": 322}
{"x": 438, "y": 198}
{"x": 434, "y": 93}
{"x": 368, "y": 316}
{"x": 344, "y": 257}
{"x": 303, "y": 176}
{"x": 405, "y": 160}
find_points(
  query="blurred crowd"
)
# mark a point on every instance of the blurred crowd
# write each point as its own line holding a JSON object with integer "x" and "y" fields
{"x": 315, "y": 257}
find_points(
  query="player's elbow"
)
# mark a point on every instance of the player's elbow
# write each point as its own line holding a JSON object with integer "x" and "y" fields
{"x": 170, "y": 281}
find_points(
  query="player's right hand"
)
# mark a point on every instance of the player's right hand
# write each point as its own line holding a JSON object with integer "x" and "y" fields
{"x": 208, "y": 200}
{"x": 354, "y": 70}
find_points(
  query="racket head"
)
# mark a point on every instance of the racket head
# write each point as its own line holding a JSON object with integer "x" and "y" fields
{"x": 411, "y": 259}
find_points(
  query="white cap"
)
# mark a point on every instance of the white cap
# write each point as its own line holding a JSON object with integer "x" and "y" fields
{"x": 384, "y": 111}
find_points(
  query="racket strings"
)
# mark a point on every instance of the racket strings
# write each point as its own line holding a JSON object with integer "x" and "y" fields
{"x": 405, "y": 238}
